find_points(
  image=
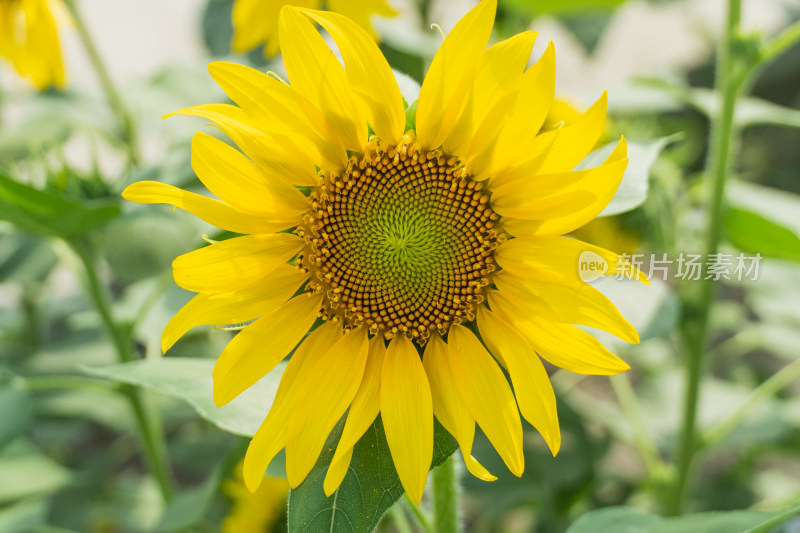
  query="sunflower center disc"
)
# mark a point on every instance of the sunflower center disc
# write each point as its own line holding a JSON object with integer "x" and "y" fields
{"x": 401, "y": 241}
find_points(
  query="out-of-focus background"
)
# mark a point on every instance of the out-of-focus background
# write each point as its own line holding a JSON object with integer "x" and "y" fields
{"x": 70, "y": 459}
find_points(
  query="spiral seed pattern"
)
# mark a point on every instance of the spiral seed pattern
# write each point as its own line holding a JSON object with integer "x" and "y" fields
{"x": 401, "y": 240}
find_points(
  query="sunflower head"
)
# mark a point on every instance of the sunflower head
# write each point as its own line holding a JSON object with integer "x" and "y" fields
{"x": 422, "y": 261}
{"x": 400, "y": 241}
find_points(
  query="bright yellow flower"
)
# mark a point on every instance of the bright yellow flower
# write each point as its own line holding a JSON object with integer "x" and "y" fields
{"x": 255, "y": 22}
{"x": 407, "y": 238}
{"x": 29, "y": 40}
{"x": 254, "y": 512}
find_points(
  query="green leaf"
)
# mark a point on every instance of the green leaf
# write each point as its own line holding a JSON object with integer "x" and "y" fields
{"x": 16, "y": 408}
{"x": 617, "y": 519}
{"x": 190, "y": 380}
{"x": 24, "y": 258}
{"x": 45, "y": 213}
{"x": 370, "y": 488}
{"x": 630, "y": 520}
{"x": 632, "y": 190}
{"x": 143, "y": 243}
{"x": 557, "y": 6}
{"x": 29, "y": 474}
{"x": 753, "y": 233}
{"x": 777, "y": 205}
{"x": 23, "y": 517}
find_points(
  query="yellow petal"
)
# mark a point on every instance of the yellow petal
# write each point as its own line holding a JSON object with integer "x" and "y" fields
{"x": 362, "y": 413}
{"x": 235, "y": 263}
{"x": 256, "y": 349}
{"x": 557, "y": 259}
{"x": 407, "y": 412}
{"x": 511, "y": 203}
{"x": 323, "y": 399}
{"x": 278, "y": 155}
{"x": 369, "y": 74}
{"x": 601, "y": 183}
{"x": 452, "y": 62}
{"x": 496, "y": 71}
{"x": 271, "y": 436}
{"x": 279, "y": 108}
{"x": 234, "y": 307}
{"x": 448, "y": 407}
{"x": 214, "y": 212}
{"x": 563, "y": 345}
{"x": 527, "y": 168}
{"x": 569, "y": 303}
{"x": 502, "y": 140}
{"x": 239, "y": 182}
{"x": 572, "y": 143}
{"x": 486, "y": 393}
{"x": 535, "y": 396}
{"x": 315, "y": 72}
{"x": 598, "y": 181}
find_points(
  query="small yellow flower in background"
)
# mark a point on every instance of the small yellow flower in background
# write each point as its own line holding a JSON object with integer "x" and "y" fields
{"x": 254, "y": 512}
{"x": 409, "y": 242}
{"x": 29, "y": 40}
{"x": 255, "y": 22}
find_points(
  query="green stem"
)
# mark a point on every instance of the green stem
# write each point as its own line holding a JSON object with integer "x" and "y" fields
{"x": 400, "y": 520}
{"x": 446, "y": 498}
{"x": 630, "y": 409}
{"x": 783, "y": 378}
{"x": 118, "y": 106}
{"x": 694, "y": 324}
{"x": 422, "y": 517}
{"x": 146, "y": 421}
{"x": 781, "y": 43}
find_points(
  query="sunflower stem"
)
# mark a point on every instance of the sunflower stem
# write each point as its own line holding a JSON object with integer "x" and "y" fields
{"x": 399, "y": 519}
{"x": 694, "y": 324}
{"x": 118, "y": 106}
{"x": 446, "y": 498}
{"x": 421, "y": 516}
{"x": 147, "y": 422}
{"x": 630, "y": 409}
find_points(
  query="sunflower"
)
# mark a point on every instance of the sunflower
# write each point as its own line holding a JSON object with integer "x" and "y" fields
{"x": 423, "y": 261}
{"x": 29, "y": 40}
{"x": 255, "y": 22}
